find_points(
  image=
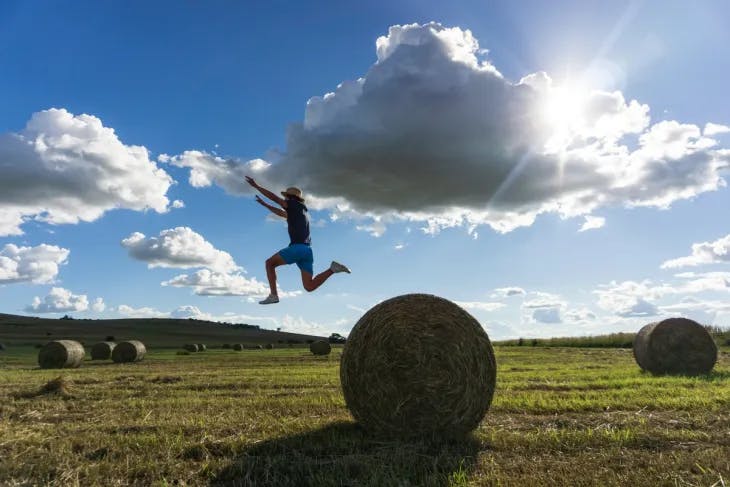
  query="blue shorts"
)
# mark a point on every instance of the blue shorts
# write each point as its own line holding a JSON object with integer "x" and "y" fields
{"x": 299, "y": 254}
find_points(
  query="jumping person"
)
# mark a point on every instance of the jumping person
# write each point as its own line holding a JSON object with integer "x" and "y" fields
{"x": 299, "y": 250}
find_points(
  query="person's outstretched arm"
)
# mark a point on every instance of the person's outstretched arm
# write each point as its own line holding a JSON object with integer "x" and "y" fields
{"x": 272, "y": 209}
{"x": 272, "y": 196}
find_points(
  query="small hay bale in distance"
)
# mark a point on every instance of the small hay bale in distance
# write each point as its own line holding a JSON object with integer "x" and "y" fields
{"x": 61, "y": 354}
{"x": 202, "y": 347}
{"x": 675, "y": 346}
{"x": 131, "y": 351}
{"x": 418, "y": 365}
{"x": 102, "y": 350}
{"x": 226, "y": 346}
{"x": 191, "y": 347}
{"x": 238, "y": 347}
{"x": 320, "y": 347}
{"x": 269, "y": 346}
{"x": 2, "y": 347}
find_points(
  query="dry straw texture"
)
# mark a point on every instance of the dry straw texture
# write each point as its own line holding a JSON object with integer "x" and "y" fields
{"x": 61, "y": 354}
{"x": 238, "y": 347}
{"x": 320, "y": 347}
{"x": 191, "y": 347}
{"x": 418, "y": 366}
{"x": 102, "y": 350}
{"x": 675, "y": 346}
{"x": 131, "y": 351}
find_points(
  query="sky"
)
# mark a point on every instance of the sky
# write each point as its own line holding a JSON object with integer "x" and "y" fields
{"x": 556, "y": 168}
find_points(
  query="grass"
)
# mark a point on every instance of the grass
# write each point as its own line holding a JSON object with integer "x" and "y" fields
{"x": 561, "y": 416}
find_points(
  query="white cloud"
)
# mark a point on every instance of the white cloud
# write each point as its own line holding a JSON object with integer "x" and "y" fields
{"x": 544, "y": 307}
{"x": 59, "y": 300}
{"x": 188, "y": 311}
{"x": 635, "y": 299}
{"x": 703, "y": 253}
{"x": 498, "y": 153}
{"x": 592, "y": 222}
{"x": 178, "y": 204}
{"x": 144, "y": 312}
{"x": 64, "y": 169}
{"x": 178, "y": 247}
{"x": 38, "y": 265}
{"x": 99, "y": 306}
{"x": 715, "y": 129}
{"x": 206, "y": 282}
{"x": 480, "y": 305}
{"x": 506, "y": 292}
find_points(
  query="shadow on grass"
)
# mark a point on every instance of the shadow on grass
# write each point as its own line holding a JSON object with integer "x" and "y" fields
{"x": 341, "y": 454}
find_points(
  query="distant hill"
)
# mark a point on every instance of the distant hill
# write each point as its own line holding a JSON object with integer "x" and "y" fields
{"x": 153, "y": 332}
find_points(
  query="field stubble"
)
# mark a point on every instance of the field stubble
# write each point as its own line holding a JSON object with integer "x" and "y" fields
{"x": 277, "y": 417}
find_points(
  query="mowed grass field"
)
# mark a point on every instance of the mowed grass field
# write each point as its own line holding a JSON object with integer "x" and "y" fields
{"x": 560, "y": 416}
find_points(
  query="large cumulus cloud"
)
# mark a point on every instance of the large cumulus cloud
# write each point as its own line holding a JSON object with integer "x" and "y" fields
{"x": 65, "y": 168}
{"x": 434, "y": 133}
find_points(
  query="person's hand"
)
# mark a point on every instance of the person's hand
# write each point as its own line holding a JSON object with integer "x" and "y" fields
{"x": 252, "y": 182}
{"x": 260, "y": 201}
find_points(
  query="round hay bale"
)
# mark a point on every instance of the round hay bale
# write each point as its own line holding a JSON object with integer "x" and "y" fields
{"x": 675, "y": 346}
{"x": 320, "y": 347}
{"x": 191, "y": 347}
{"x": 226, "y": 346}
{"x": 2, "y": 347}
{"x": 269, "y": 346}
{"x": 102, "y": 350}
{"x": 238, "y": 347}
{"x": 131, "y": 351}
{"x": 418, "y": 366}
{"x": 202, "y": 347}
{"x": 61, "y": 354}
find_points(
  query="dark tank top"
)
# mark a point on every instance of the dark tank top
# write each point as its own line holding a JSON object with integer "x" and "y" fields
{"x": 297, "y": 218}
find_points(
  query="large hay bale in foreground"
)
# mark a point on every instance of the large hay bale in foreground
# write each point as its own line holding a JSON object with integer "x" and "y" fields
{"x": 102, "y": 350}
{"x": 131, "y": 351}
{"x": 61, "y": 354}
{"x": 191, "y": 347}
{"x": 238, "y": 347}
{"x": 320, "y": 347}
{"x": 675, "y": 346}
{"x": 418, "y": 366}
{"x": 202, "y": 347}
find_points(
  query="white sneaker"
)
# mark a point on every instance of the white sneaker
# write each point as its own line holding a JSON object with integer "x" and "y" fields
{"x": 337, "y": 267}
{"x": 273, "y": 298}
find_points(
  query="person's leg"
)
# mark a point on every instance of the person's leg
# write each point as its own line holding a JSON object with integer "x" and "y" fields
{"x": 271, "y": 264}
{"x": 311, "y": 283}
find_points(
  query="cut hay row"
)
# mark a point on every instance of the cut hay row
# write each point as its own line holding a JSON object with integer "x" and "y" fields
{"x": 102, "y": 350}
{"x": 61, "y": 354}
{"x": 675, "y": 346}
{"x": 418, "y": 366}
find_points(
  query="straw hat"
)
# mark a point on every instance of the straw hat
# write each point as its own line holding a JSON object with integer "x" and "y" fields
{"x": 293, "y": 191}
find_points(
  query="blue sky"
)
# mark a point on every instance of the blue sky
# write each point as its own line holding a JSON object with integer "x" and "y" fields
{"x": 405, "y": 168}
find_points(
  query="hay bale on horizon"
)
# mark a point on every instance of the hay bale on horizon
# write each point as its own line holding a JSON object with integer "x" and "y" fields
{"x": 2, "y": 347}
{"x": 226, "y": 346}
{"x": 320, "y": 347}
{"x": 202, "y": 347}
{"x": 61, "y": 354}
{"x": 675, "y": 346}
{"x": 191, "y": 347}
{"x": 102, "y": 350}
{"x": 269, "y": 346}
{"x": 238, "y": 347}
{"x": 131, "y": 351}
{"x": 418, "y": 366}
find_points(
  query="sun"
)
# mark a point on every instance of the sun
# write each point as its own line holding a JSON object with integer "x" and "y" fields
{"x": 563, "y": 112}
